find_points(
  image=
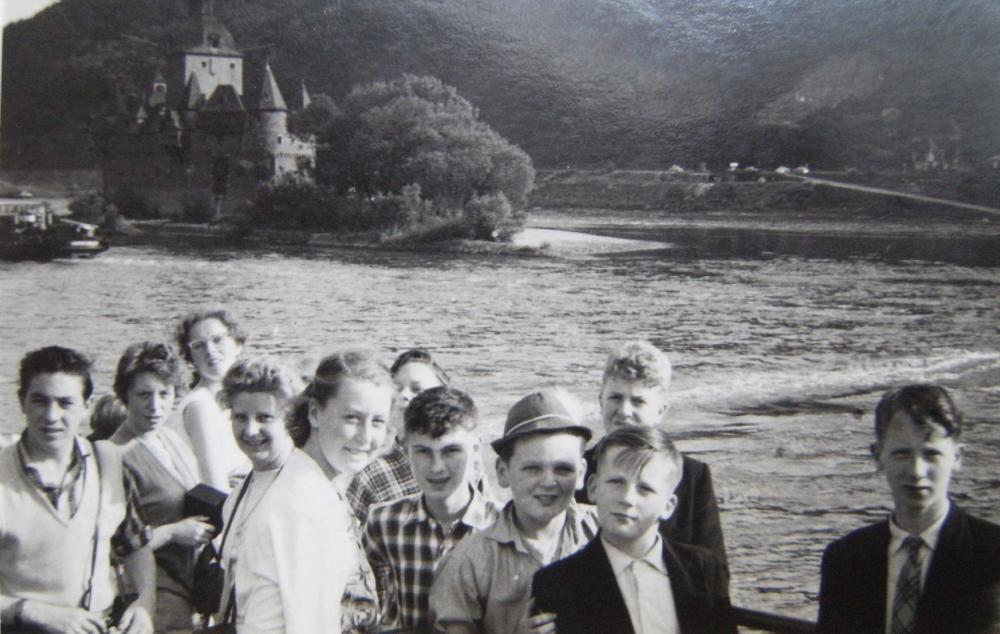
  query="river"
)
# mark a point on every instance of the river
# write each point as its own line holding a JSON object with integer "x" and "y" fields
{"x": 784, "y": 330}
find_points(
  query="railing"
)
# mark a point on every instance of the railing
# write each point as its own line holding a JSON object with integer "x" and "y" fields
{"x": 768, "y": 622}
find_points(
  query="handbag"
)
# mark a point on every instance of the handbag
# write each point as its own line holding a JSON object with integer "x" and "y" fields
{"x": 228, "y": 624}
{"x": 209, "y": 577}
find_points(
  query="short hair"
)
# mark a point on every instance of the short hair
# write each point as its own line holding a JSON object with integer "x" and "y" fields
{"x": 106, "y": 417}
{"x": 419, "y": 355}
{"x": 639, "y": 361}
{"x": 148, "y": 357}
{"x": 183, "y": 335}
{"x": 926, "y": 404}
{"x": 332, "y": 371}
{"x": 258, "y": 375}
{"x": 639, "y": 444}
{"x": 53, "y": 359}
{"x": 440, "y": 410}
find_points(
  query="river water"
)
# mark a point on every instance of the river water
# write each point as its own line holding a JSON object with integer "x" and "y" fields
{"x": 784, "y": 330}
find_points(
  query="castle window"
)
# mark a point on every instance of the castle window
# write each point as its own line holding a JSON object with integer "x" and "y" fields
{"x": 204, "y": 64}
{"x": 232, "y": 65}
{"x": 279, "y": 138}
{"x": 214, "y": 40}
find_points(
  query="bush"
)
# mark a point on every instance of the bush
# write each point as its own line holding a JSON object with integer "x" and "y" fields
{"x": 134, "y": 205}
{"x": 93, "y": 208}
{"x": 491, "y": 217}
{"x": 196, "y": 207}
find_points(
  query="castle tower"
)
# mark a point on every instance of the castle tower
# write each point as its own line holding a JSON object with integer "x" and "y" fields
{"x": 304, "y": 99}
{"x": 272, "y": 113}
{"x": 205, "y": 48}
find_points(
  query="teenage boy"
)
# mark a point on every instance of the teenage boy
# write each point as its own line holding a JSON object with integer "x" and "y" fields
{"x": 406, "y": 539}
{"x": 631, "y": 580}
{"x": 634, "y": 391}
{"x": 66, "y": 508}
{"x": 485, "y": 584}
{"x": 929, "y": 567}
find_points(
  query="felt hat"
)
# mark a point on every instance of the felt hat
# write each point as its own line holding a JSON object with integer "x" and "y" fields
{"x": 548, "y": 410}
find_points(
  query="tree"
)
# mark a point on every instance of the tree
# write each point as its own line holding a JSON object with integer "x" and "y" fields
{"x": 419, "y": 131}
{"x": 316, "y": 117}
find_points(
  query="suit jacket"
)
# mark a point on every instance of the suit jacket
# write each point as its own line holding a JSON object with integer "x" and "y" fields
{"x": 695, "y": 520}
{"x": 582, "y": 590}
{"x": 960, "y": 593}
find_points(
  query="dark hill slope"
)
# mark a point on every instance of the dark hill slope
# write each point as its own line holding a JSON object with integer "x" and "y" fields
{"x": 579, "y": 82}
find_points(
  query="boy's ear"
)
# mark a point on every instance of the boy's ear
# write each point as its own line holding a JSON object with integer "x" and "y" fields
{"x": 503, "y": 477}
{"x": 668, "y": 508}
{"x": 313, "y": 415}
{"x": 876, "y": 451}
{"x": 959, "y": 452}
{"x": 592, "y": 487}
{"x": 583, "y": 473}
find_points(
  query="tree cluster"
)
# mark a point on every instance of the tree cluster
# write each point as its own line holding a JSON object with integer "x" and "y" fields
{"x": 417, "y": 156}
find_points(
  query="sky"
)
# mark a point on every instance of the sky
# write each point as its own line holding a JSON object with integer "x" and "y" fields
{"x": 13, "y": 10}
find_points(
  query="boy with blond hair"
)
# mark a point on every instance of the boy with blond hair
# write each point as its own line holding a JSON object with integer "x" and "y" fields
{"x": 484, "y": 585}
{"x": 631, "y": 580}
{"x": 634, "y": 391}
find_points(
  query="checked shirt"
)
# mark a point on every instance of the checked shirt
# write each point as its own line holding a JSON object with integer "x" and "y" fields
{"x": 404, "y": 545}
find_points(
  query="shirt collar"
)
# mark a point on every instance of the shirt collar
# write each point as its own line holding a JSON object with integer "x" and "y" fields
{"x": 81, "y": 451}
{"x": 620, "y": 560}
{"x": 929, "y": 535}
{"x": 476, "y": 515}
{"x": 580, "y": 527}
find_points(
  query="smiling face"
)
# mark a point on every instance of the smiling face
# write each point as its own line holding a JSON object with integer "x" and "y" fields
{"x": 352, "y": 425}
{"x": 543, "y": 472}
{"x": 259, "y": 427}
{"x": 412, "y": 379}
{"x": 441, "y": 465}
{"x": 631, "y": 503}
{"x": 149, "y": 403}
{"x": 918, "y": 461}
{"x": 631, "y": 402}
{"x": 54, "y": 407}
{"x": 213, "y": 349}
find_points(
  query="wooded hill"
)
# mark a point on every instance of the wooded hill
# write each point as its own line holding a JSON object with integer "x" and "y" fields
{"x": 606, "y": 83}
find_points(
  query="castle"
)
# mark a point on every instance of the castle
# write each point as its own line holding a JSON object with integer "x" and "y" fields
{"x": 196, "y": 141}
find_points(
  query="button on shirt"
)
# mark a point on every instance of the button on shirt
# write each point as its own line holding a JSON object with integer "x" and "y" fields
{"x": 898, "y": 555}
{"x": 645, "y": 587}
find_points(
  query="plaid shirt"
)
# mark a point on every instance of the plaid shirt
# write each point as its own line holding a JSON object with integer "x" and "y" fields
{"x": 386, "y": 479}
{"x": 132, "y": 534}
{"x": 404, "y": 545}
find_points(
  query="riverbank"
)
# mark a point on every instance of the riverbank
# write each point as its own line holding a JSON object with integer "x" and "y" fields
{"x": 533, "y": 241}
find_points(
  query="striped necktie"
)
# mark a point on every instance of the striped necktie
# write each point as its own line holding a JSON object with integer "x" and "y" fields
{"x": 904, "y": 606}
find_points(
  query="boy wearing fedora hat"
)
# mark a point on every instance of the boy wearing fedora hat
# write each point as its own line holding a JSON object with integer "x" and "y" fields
{"x": 484, "y": 584}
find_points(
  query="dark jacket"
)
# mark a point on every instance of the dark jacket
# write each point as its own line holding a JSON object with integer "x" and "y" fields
{"x": 960, "y": 593}
{"x": 696, "y": 519}
{"x": 581, "y": 589}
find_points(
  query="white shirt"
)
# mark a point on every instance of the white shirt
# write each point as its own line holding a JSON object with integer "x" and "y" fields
{"x": 898, "y": 556}
{"x": 645, "y": 586}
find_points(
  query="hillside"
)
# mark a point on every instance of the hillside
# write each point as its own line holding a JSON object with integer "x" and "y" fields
{"x": 607, "y": 83}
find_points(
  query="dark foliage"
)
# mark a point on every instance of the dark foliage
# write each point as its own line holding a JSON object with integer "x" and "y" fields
{"x": 598, "y": 83}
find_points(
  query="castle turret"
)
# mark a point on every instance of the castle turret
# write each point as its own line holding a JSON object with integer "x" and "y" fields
{"x": 304, "y": 98}
{"x": 272, "y": 113}
{"x": 204, "y": 47}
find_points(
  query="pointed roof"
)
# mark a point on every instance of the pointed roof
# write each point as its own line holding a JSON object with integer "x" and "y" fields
{"x": 192, "y": 98}
{"x": 270, "y": 95}
{"x": 224, "y": 99}
{"x": 304, "y": 98}
{"x": 205, "y": 34}
{"x": 158, "y": 77}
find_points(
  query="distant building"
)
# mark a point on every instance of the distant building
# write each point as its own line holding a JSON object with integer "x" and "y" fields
{"x": 196, "y": 138}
